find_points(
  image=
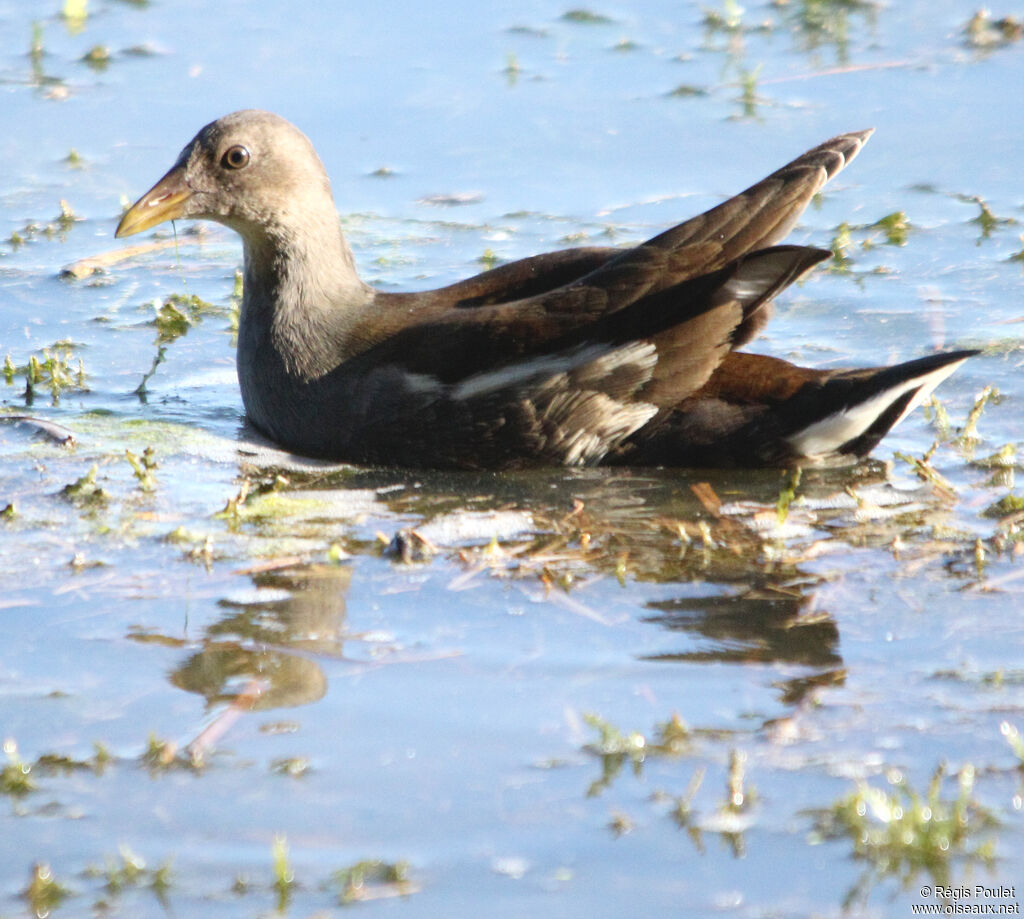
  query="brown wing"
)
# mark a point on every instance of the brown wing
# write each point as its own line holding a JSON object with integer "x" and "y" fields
{"x": 696, "y": 292}
{"x": 758, "y": 217}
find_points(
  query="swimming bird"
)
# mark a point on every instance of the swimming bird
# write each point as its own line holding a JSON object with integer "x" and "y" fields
{"x": 574, "y": 357}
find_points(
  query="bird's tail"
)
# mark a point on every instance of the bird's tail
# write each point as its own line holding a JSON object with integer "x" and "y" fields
{"x": 853, "y": 411}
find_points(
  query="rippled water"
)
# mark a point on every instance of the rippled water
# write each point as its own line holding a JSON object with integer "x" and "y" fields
{"x": 632, "y": 699}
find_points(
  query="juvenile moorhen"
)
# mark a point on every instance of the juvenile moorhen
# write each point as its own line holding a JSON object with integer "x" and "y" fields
{"x": 574, "y": 357}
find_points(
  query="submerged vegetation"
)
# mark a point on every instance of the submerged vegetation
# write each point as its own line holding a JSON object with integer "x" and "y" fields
{"x": 52, "y": 371}
{"x": 983, "y": 31}
{"x": 892, "y": 229}
{"x": 176, "y": 314}
{"x": 85, "y": 491}
{"x": 128, "y": 871}
{"x": 585, "y": 16}
{"x": 373, "y": 880}
{"x": 53, "y": 229}
{"x": 15, "y": 778}
{"x": 127, "y": 874}
{"x": 44, "y": 892}
{"x": 901, "y": 833}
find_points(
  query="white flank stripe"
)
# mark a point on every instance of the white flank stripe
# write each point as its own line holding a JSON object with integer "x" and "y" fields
{"x": 421, "y": 382}
{"x": 481, "y": 384}
{"x": 596, "y": 360}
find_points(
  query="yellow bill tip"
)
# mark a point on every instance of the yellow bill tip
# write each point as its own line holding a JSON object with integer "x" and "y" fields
{"x": 164, "y": 201}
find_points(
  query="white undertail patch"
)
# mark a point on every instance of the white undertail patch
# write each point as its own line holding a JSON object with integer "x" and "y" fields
{"x": 824, "y": 437}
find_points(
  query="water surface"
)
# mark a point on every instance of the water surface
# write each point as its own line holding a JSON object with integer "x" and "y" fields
{"x": 491, "y": 717}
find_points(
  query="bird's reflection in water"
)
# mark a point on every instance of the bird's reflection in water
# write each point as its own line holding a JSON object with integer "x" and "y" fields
{"x": 735, "y": 603}
{"x": 757, "y": 624}
{"x": 734, "y": 606}
{"x": 274, "y": 641}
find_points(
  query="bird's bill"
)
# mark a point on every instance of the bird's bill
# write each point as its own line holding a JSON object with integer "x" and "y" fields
{"x": 164, "y": 201}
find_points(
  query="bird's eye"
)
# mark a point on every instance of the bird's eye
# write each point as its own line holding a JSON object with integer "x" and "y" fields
{"x": 236, "y": 157}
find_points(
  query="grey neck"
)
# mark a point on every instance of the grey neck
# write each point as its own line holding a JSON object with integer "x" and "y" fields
{"x": 302, "y": 296}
